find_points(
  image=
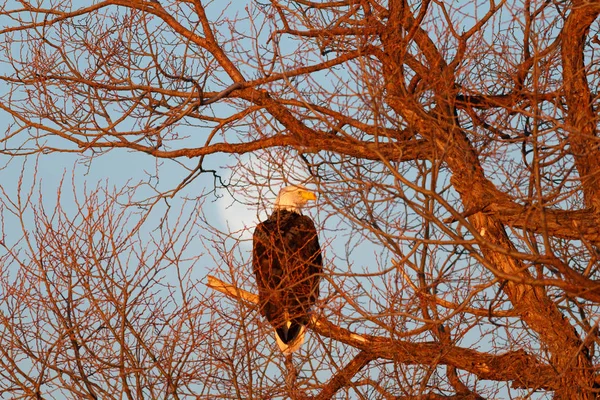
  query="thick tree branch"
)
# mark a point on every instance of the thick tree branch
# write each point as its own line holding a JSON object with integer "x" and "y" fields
{"x": 523, "y": 369}
{"x": 468, "y": 178}
{"x": 581, "y": 118}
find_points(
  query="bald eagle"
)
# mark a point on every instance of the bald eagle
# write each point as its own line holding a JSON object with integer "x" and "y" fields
{"x": 287, "y": 263}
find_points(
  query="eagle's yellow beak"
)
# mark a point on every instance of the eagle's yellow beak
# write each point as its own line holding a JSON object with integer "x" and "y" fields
{"x": 306, "y": 195}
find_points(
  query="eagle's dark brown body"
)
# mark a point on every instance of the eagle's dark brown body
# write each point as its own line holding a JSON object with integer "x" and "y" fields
{"x": 287, "y": 263}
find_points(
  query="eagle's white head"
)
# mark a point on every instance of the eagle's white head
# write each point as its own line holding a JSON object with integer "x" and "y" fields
{"x": 293, "y": 198}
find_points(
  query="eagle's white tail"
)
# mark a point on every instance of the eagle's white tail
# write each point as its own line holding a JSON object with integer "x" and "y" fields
{"x": 294, "y": 345}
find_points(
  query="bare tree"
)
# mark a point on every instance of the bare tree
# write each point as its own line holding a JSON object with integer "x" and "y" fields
{"x": 456, "y": 154}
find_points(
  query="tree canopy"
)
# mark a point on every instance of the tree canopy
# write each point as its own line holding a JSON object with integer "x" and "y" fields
{"x": 454, "y": 147}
